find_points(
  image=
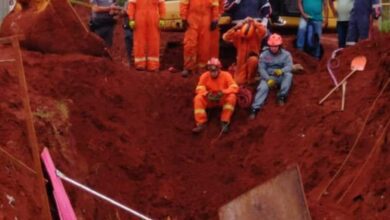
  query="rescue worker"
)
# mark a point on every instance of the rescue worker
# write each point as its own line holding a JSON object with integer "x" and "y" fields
{"x": 275, "y": 68}
{"x": 199, "y": 17}
{"x": 215, "y": 34}
{"x": 215, "y": 88}
{"x": 246, "y": 37}
{"x": 359, "y": 23}
{"x": 103, "y": 19}
{"x": 145, "y": 20}
{"x": 128, "y": 33}
{"x": 239, "y": 10}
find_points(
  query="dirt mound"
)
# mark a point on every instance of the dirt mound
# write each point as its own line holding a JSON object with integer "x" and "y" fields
{"x": 54, "y": 29}
{"x": 127, "y": 134}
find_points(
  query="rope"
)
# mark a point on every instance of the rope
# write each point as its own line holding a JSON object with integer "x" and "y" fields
{"x": 107, "y": 199}
{"x": 378, "y": 143}
{"x": 17, "y": 161}
{"x": 356, "y": 140}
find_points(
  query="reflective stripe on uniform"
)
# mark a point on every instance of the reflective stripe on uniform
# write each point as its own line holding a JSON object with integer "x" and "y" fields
{"x": 161, "y": 1}
{"x": 215, "y": 3}
{"x": 139, "y": 59}
{"x": 228, "y": 107}
{"x": 184, "y": 1}
{"x": 234, "y": 86}
{"x": 157, "y": 59}
{"x": 134, "y": 1}
{"x": 199, "y": 111}
{"x": 200, "y": 87}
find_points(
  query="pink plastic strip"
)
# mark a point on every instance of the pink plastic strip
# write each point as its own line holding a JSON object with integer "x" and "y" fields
{"x": 64, "y": 207}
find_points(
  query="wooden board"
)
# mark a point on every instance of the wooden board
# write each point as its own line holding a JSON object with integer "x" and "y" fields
{"x": 281, "y": 198}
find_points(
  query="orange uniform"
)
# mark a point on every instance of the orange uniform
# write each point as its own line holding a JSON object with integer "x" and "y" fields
{"x": 246, "y": 47}
{"x": 223, "y": 83}
{"x": 146, "y": 14}
{"x": 214, "y": 46}
{"x": 199, "y": 14}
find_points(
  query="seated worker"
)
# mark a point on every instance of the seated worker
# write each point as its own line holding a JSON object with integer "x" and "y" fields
{"x": 215, "y": 88}
{"x": 246, "y": 37}
{"x": 275, "y": 68}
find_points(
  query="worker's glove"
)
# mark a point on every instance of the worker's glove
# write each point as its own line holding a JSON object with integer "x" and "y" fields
{"x": 161, "y": 24}
{"x": 271, "y": 83}
{"x": 213, "y": 25}
{"x": 131, "y": 24}
{"x": 214, "y": 97}
{"x": 184, "y": 24}
{"x": 278, "y": 72}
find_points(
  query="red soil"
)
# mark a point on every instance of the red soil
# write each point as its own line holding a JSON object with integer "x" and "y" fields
{"x": 128, "y": 136}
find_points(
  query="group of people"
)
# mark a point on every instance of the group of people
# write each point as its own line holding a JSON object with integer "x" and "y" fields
{"x": 259, "y": 53}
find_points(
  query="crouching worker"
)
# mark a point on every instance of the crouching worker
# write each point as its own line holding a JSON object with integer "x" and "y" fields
{"x": 275, "y": 68}
{"x": 246, "y": 37}
{"x": 215, "y": 88}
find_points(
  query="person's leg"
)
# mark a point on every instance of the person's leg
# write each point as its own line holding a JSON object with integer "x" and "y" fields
{"x": 251, "y": 69}
{"x": 285, "y": 85}
{"x": 228, "y": 104}
{"x": 364, "y": 27}
{"x": 190, "y": 49}
{"x": 153, "y": 46}
{"x": 106, "y": 33}
{"x": 317, "y": 38}
{"x": 261, "y": 95}
{"x": 301, "y": 35}
{"x": 352, "y": 34}
{"x": 128, "y": 43}
{"x": 200, "y": 105}
{"x": 342, "y": 30}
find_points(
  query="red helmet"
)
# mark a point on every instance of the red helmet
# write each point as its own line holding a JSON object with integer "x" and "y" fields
{"x": 275, "y": 40}
{"x": 214, "y": 62}
{"x": 247, "y": 30}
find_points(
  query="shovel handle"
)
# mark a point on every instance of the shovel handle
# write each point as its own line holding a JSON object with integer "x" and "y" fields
{"x": 337, "y": 86}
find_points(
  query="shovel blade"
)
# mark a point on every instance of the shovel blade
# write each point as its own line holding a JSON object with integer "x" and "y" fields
{"x": 281, "y": 198}
{"x": 359, "y": 63}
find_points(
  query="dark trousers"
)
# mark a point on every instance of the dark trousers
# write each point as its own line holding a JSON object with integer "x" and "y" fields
{"x": 277, "y": 6}
{"x": 128, "y": 42}
{"x": 106, "y": 32}
{"x": 342, "y": 31}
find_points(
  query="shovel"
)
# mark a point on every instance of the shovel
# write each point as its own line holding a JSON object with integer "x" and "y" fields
{"x": 357, "y": 64}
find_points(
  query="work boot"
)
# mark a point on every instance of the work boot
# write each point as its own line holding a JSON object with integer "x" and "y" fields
{"x": 279, "y": 22}
{"x": 224, "y": 127}
{"x": 185, "y": 73}
{"x": 252, "y": 114}
{"x": 198, "y": 128}
{"x": 281, "y": 100}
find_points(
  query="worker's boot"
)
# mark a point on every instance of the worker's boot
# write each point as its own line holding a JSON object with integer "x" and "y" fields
{"x": 185, "y": 73}
{"x": 253, "y": 113}
{"x": 224, "y": 127}
{"x": 198, "y": 128}
{"x": 281, "y": 100}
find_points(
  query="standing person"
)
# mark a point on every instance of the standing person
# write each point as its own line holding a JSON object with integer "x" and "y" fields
{"x": 275, "y": 70}
{"x": 342, "y": 12}
{"x": 215, "y": 88}
{"x": 239, "y": 10}
{"x": 199, "y": 17}
{"x": 246, "y": 37}
{"x": 215, "y": 34}
{"x": 311, "y": 17}
{"x": 128, "y": 32}
{"x": 359, "y": 23}
{"x": 144, "y": 19}
{"x": 103, "y": 19}
{"x": 276, "y": 10}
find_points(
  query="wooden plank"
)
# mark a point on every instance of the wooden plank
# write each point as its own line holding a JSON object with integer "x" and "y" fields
{"x": 32, "y": 137}
{"x": 281, "y": 198}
